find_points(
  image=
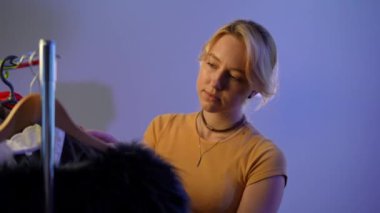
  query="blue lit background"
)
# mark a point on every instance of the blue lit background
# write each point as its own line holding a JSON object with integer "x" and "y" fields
{"x": 123, "y": 62}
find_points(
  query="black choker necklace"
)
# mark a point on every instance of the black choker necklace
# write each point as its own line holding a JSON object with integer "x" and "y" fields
{"x": 236, "y": 125}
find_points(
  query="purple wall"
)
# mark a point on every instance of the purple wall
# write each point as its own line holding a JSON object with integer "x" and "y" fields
{"x": 123, "y": 62}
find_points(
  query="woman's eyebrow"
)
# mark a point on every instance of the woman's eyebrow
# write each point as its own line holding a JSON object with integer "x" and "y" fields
{"x": 212, "y": 55}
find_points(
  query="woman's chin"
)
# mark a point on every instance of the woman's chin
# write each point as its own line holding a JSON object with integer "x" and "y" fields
{"x": 211, "y": 108}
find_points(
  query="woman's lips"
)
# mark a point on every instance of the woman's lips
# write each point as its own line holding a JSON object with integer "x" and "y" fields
{"x": 211, "y": 97}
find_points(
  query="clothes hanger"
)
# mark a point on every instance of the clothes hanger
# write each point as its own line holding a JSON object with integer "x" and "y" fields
{"x": 28, "y": 112}
{"x": 36, "y": 74}
{"x": 12, "y": 98}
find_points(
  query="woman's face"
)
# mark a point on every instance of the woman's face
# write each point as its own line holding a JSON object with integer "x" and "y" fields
{"x": 222, "y": 85}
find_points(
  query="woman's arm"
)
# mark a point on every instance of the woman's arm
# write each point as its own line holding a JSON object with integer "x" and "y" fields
{"x": 106, "y": 137}
{"x": 263, "y": 196}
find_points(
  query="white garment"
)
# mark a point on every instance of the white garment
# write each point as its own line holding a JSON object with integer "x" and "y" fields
{"x": 28, "y": 141}
{"x": 6, "y": 154}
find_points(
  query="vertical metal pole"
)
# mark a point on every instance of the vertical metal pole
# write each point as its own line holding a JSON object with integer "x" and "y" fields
{"x": 48, "y": 79}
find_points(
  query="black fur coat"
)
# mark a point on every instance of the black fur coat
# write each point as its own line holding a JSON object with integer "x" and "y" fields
{"x": 130, "y": 178}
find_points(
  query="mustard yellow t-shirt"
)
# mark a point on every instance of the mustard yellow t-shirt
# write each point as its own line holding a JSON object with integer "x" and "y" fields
{"x": 217, "y": 184}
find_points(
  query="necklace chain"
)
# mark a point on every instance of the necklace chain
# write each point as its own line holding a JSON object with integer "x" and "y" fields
{"x": 207, "y": 150}
{"x": 211, "y": 128}
{"x": 240, "y": 122}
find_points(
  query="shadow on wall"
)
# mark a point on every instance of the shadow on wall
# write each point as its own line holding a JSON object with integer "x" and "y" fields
{"x": 89, "y": 104}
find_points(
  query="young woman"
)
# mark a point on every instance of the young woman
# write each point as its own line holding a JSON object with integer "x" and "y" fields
{"x": 225, "y": 164}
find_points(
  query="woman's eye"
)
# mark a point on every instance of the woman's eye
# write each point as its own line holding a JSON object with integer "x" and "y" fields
{"x": 212, "y": 65}
{"x": 235, "y": 77}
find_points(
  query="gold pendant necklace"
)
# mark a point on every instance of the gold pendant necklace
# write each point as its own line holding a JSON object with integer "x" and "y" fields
{"x": 216, "y": 143}
{"x": 207, "y": 150}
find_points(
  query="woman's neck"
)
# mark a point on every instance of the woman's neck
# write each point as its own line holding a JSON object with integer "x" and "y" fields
{"x": 215, "y": 126}
{"x": 221, "y": 120}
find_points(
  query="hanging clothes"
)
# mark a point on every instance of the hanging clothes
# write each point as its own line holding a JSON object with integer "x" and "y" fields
{"x": 129, "y": 178}
{"x": 22, "y": 145}
{"x": 4, "y": 95}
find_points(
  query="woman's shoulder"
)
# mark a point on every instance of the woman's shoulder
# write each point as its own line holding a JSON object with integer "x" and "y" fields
{"x": 269, "y": 147}
{"x": 260, "y": 144}
{"x": 264, "y": 157}
{"x": 168, "y": 123}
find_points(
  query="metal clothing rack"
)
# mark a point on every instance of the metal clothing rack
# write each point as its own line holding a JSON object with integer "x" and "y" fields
{"x": 47, "y": 78}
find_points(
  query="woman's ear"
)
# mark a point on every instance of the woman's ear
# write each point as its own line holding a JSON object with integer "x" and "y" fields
{"x": 252, "y": 94}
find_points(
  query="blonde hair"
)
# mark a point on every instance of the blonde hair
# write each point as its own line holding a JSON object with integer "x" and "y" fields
{"x": 261, "y": 61}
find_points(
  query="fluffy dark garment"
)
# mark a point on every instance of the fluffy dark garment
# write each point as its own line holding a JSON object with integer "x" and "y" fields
{"x": 129, "y": 179}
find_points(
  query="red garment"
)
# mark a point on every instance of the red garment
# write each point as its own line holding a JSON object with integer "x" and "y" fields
{"x": 4, "y": 95}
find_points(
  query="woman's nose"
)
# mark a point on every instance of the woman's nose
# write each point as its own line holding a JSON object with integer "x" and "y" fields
{"x": 218, "y": 80}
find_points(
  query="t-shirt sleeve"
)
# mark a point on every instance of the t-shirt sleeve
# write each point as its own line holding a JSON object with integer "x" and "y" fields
{"x": 266, "y": 161}
{"x": 150, "y": 135}
{"x": 154, "y": 130}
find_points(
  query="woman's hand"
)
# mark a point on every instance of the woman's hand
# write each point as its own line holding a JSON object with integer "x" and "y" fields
{"x": 106, "y": 137}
